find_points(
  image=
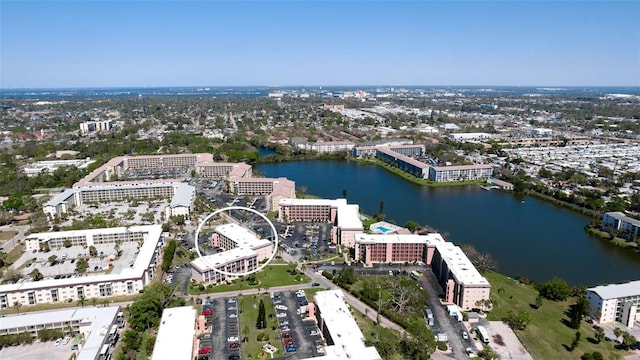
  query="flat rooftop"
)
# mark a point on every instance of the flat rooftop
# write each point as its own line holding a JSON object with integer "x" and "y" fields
{"x": 176, "y": 334}
{"x": 347, "y": 337}
{"x": 428, "y": 239}
{"x": 99, "y": 320}
{"x": 617, "y": 291}
{"x": 460, "y": 266}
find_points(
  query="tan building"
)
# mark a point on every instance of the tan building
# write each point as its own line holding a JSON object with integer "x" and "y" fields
{"x": 274, "y": 190}
{"x": 345, "y": 217}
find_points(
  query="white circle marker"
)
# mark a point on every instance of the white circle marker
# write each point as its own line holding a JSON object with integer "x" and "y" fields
{"x": 212, "y": 267}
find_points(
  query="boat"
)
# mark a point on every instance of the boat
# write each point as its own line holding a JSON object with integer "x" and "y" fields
{"x": 486, "y": 188}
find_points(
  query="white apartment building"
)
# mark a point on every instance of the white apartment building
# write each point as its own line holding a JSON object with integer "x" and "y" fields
{"x": 339, "y": 329}
{"x": 176, "y": 334}
{"x": 50, "y": 166}
{"x": 626, "y": 227}
{"x": 181, "y": 194}
{"x": 243, "y": 251}
{"x": 460, "y": 172}
{"x": 129, "y": 281}
{"x": 93, "y": 322}
{"x": 615, "y": 302}
{"x": 88, "y": 127}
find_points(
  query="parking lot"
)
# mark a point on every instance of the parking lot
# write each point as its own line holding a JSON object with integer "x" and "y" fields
{"x": 298, "y": 336}
{"x": 65, "y": 261}
{"x": 38, "y": 350}
{"x": 223, "y": 342}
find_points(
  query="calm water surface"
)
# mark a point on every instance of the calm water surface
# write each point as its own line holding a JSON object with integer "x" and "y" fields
{"x": 533, "y": 238}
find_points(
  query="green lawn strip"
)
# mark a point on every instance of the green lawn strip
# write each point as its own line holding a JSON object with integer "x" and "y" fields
{"x": 14, "y": 254}
{"x": 66, "y": 305}
{"x": 546, "y": 335}
{"x": 248, "y": 318}
{"x": 7, "y": 235}
{"x": 271, "y": 276}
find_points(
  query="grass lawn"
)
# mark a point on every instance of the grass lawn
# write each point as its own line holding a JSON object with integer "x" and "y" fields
{"x": 248, "y": 317}
{"x": 546, "y": 336}
{"x": 272, "y": 275}
{"x": 14, "y": 254}
{"x": 7, "y": 235}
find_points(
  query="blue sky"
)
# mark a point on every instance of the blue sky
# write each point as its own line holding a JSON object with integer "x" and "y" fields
{"x": 223, "y": 43}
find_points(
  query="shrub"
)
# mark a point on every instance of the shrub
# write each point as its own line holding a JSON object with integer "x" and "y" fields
{"x": 327, "y": 274}
{"x": 441, "y": 345}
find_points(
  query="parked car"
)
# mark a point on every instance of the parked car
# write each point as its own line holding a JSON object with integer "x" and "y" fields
{"x": 315, "y": 284}
{"x": 58, "y": 342}
{"x": 204, "y": 350}
{"x": 232, "y": 339}
{"x": 465, "y": 335}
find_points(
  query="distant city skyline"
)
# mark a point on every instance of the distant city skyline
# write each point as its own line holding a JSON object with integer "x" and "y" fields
{"x": 86, "y": 44}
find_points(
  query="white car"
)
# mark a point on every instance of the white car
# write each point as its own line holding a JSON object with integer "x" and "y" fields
{"x": 281, "y": 315}
{"x": 66, "y": 340}
{"x": 58, "y": 341}
{"x": 234, "y": 315}
{"x": 281, "y": 307}
{"x": 232, "y": 339}
{"x": 465, "y": 335}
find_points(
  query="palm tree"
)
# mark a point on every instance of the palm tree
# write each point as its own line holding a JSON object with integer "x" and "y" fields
{"x": 17, "y": 305}
{"x": 617, "y": 332}
{"x": 81, "y": 301}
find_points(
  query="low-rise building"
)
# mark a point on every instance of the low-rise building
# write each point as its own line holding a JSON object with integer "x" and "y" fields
{"x": 49, "y": 166}
{"x": 130, "y": 280}
{"x": 615, "y": 302}
{"x": 176, "y": 334}
{"x": 243, "y": 252}
{"x": 339, "y": 329}
{"x": 624, "y": 226}
{"x": 93, "y": 322}
{"x": 460, "y": 172}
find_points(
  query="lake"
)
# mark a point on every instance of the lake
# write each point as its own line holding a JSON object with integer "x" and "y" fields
{"x": 526, "y": 236}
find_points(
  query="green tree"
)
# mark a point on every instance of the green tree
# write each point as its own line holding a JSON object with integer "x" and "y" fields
{"x": 617, "y": 332}
{"x": 17, "y": 305}
{"x": 576, "y": 340}
{"x": 628, "y": 340}
{"x": 539, "y": 301}
{"x": 599, "y": 334}
{"x": 147, "y": 309}
{"x": 347, "y": 275}
{"x": 81, "y": 301}
{"x": 93, "y": 251}
{"x": 261, "y": 322}
{"x": 82, "y": 265}
{"x": 412, "y": 226}
{"x": 67, "y": 243}
{"x": 167, "y": 256}
{"x": 36, "y": 275}
{"x": 555, "y": 289}
{"x": 52, "y": 259}
{"x": 518, "y": 320}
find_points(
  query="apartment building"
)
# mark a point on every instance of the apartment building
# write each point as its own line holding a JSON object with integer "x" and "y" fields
{"x": 89, "y": 127}
{"x": 50, "y": 166}
{"x": 176, "y": 337}
{"x": 404, "y": 149}
{"x": 403, "y": 162}
{"x": 130, "y": 280}
{"x": 460, "y": 172}
{"x": 395, "y": 248}
{"x": 339, "y": 328}
{"x": 626, "y": 227}
{"x": 243, "y": 252}
{"x": 181, "y": 194}
{"x": 462, "y": 283}
{"x": 92, "y": 322}
{"x": 615, "y": 302}
{"x": 322, "y": 146}
{"x": 273, "y": 189}
{"x": 345, "y": 217}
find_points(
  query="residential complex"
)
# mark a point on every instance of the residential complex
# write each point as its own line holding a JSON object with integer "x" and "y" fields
{"x": 462, "y": 283}
{"x": 94, "y": 323}
{"x": 129, "y": 280}
{"x": 273, "y": 189}
{"x": 339, "y": 328}
{"x": 89, "y": 127}
{"x": 403, "y": 157}
{"x": 345, "y": 217}
{"x": 460, "y": 172}
{"x": 176, "y": 334}
{"x": 624, "y": 226}
{"x": 243, "y": 251}
{"x": 49, "y": 166}
{"x": 322, "y": 146}
{"x": 616, "y": 302}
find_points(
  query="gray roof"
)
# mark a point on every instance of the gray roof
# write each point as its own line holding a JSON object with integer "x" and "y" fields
{"x": 183, "y": 195}
{"x": 616, "y": 291}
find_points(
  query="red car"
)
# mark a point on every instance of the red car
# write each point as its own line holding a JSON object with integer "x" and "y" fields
{"x": 234, "y": 346}
{"x": 288, "y": 342}
{"x": 286, "y": 335}
{"x": 204, "y": 350}
{"x": 207, "y": 312}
